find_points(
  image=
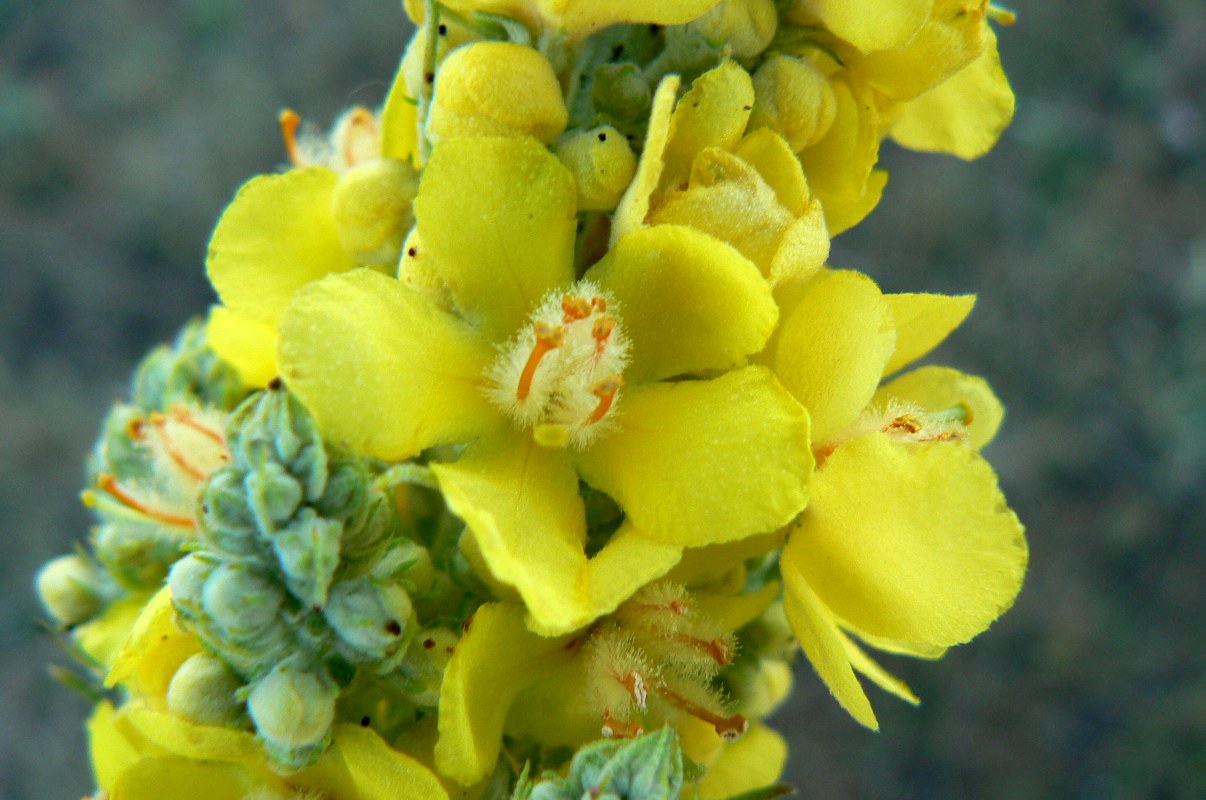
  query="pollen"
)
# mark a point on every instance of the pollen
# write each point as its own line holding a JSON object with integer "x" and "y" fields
{"x": 562, "y": 375}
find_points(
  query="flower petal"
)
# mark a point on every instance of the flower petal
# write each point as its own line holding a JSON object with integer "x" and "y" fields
{"x": 103, "y": 637}
{"x": 496, "y": 659}
{"x": 770, "y": 154}
{"x": 383, "y": 370}
{"x": 154, "y": 650}
{"x": 111, "y": 751}
{"x": 361, "y": 766}
{"x": 939, "y": 388}
{"x": 869, "y": 25}
{"x": 839, "y": 165}
{"x": 923, "y": 321}
{"x": 276, "y": 236}
{"x": 885, "y": 680}
{"x": 580, "y": 18}
{"x": 689, "y": 302}
{"x": 713, "y": 113}
{"x": 821, "y": 640}
{"x": 964, "y": 115}
{"x": 520, "y": 502}
{"x": 634, "y": 205}
{"x": 911, "y": 541}
{"x": 752, "y": 762}
{"x": 498, "y": 216}
{"x": 180, "y": 737}
{"x": 834, "y": 339}
{"x": 702, "y": 462}
{"x": 246, "y": 343}
{"x": 184, "y": 779}
{"x": 400, "y": 123}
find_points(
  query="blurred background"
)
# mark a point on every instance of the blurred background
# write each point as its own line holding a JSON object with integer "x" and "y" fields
{"x": 126, "y": 125}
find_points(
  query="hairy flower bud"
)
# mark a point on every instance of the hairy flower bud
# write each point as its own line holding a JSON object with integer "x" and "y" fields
{"x": 203, "y": 691}
{"x": 373, "y": 619}
{"x": 602, "y": 164}
{"x": 372, "y": 210}
{"x": 72, "y": 588}
{"x": 793, "y": 98}
{"x": 293, "y": 711}
{"x": 747, "y": 26}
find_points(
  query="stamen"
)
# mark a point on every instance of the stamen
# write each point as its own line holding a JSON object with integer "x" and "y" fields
{"x": 729, "y": 728}
{"x": 290, "y": 121}
{"x": 547, "y": 338}
{"x": 361, "y": 123}
{"x": 1002, "y": 15}
{"x": 605, "y": 390}
{"x": 108, "y": 483}
{"x": 160, "y": 423}
{"x": 720, "y": 650}
{"x": 602, "y": 332}
{"x": 182, "y": 415}
{"x": 575, "y": 308}
{"x": 634, "y": 683}
{"x": 620, "y": 729}
{"x": 905, "y": 423}
{"x": 599, "y": 304}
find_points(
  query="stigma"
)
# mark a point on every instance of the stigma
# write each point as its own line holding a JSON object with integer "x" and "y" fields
{"x": 562, "y": 375}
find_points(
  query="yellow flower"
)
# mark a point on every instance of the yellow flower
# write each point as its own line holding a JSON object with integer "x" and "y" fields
{"x": 139, "y": 753}
{"x": 345, "y": 202}
{"x": 546, "y": 379}
{"x": 649, "y": 664}
{"x": 700, "y": 168}
{"x": 907, "y": 542}
{"x": 576, "y": 19}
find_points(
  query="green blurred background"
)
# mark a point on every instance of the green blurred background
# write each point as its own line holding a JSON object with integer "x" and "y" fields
{"x": 126, "y": 125}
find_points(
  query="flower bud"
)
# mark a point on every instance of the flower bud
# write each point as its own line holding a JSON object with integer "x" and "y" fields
{"x": 620, "y": 91}
{"x": 273, "y": 495}
{"x": 602, "y": 164}
{"x": 746, "y": 26}
{"x": 496, "y": 89}
{"x": 72, "y": 589}
{"x": 293, "y": 712}
{"x": 227, "y": 521}
{"x": 240, "y": 603}
{"x": 374, "y": 619}
{"x": 793, "y": 98}
{"x": 137, "y": 555}
{"x": 187, "y": 581}
{"x": 371, "y": 206}
{"x": 203, "y": 691}
{"x": 308, "y": 553}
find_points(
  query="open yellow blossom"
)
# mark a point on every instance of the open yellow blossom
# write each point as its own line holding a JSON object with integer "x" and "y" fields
{"x": 549, "y": 380}
{"x": 344, "y": 203}
{"x": 907, "y": 542}
{"x": 647, "y": 665}
{"x": 700, "y": 168}
{"x": 576, "y": 19}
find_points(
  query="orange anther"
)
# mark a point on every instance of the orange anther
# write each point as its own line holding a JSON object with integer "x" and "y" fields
{"x": 575, "y": 308}
{"x": 547, "y": 338}
{"x": 620, "y": 729}
{"x": 634, "y": 683}
{"x": 108, "y": 483}
{"x": 290, "y": 121}
{"x": 718, "y": 649}
{"x": 603, "y": 328}
{"x": 136, "y": 429}
{"x": 906, "y": 423}
{"x": 729, "y": 728}
{"x": 605, "y": 390}
{"x": 599, "y": 304}
{"x": 361, "y": 132}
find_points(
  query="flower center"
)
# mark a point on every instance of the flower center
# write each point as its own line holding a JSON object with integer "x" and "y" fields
{"x": 561, "y": 375}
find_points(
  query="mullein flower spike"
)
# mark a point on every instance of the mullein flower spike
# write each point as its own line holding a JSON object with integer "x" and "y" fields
{"x": 563, "y": 435}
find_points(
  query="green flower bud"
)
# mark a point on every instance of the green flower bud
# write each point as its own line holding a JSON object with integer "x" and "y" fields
{"x": 203, "y": 691}
{"x": 345, "y": 491}
{"x": 308, "y": 553}
{"x": 373, "y": 619}
{"x": 648, "y": 767}
{"x": 426, "y": 658}
{"x": 621, "y": 91}
{"x": 372, "y": 210}
{"x": 240, "y": 603}
{"x": 73, "y": 589}
{"x": 746, "y": 26}
{"x": 793, "y": 98}
{"x": 293, "y": 711}
{"x": 272, "y": 426}
{"x": 227, "y": 521}
{"x": 602, "y": 164}
{"x": 273, "y": 495}
{"x": 137, "y": 555}
{"x": 187, "y": 581}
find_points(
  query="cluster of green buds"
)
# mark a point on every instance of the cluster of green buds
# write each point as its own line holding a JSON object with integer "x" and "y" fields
{"x": 649, "y": 767}
{"x": 144, "y": 478}
{"x": 302, "y": 578}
